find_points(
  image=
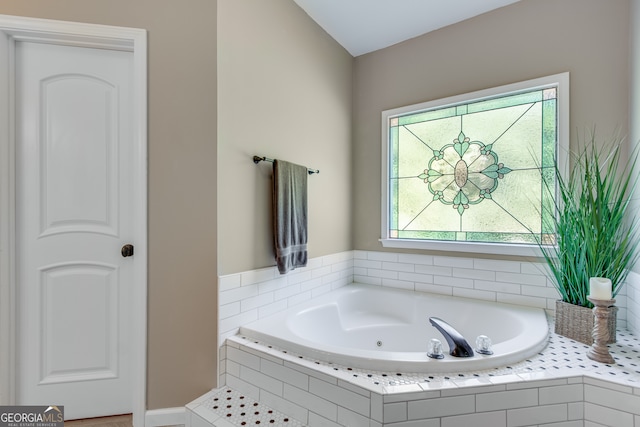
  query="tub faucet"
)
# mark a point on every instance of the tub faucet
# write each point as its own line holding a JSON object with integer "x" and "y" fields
{"x": 458, "y": 346}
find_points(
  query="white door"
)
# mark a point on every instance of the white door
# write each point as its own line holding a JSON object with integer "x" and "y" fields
{"x": 74, "y": 160}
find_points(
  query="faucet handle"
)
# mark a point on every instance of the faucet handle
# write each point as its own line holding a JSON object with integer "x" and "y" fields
{"x": 483, "y": 345}
{"x": 435, "y": 349}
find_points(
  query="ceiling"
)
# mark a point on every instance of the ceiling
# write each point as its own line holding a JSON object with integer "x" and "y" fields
{"x": 362, "y": 26}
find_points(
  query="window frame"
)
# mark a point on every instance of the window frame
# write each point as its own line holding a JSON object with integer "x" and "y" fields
{"x": 560, "y": 81}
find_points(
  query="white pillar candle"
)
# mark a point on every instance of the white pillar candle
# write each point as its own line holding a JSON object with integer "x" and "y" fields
{"x": 600, "y": 288}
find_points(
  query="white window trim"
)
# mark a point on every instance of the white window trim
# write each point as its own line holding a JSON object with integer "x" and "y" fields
{"x": 560, "y": 80}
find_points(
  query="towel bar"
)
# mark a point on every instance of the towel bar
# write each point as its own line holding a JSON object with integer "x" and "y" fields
{"x": 258, "y": 159}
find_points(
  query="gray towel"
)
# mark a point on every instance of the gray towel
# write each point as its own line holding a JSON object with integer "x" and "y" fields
{"x": 289, "y": 215}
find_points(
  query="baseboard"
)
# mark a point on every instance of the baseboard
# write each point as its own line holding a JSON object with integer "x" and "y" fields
{"x": 165, "y": 417}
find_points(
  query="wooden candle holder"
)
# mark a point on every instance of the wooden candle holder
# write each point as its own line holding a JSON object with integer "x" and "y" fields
{"x": 599, "y": 350}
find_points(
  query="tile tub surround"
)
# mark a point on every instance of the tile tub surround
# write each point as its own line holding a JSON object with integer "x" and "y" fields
{"x": 558, "y": 387}
{"x": 255, "y": 294}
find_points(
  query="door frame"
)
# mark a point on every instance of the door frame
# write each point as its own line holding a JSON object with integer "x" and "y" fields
{"x": 12, "y": 30}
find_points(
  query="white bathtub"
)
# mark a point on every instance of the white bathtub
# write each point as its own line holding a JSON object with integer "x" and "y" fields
{"x": 382, "y": 329}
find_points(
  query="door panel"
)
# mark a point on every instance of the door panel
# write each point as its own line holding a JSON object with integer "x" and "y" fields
{"x": 74, "y": 160}
{"x": 71, "y": 203}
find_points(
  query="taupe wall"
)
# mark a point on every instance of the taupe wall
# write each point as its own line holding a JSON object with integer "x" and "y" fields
{"x": 528, "y": 39}
{"x": 284, "y": 91}
{"x": 182, "y": 349}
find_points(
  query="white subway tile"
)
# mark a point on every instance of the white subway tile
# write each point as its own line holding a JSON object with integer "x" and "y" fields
{"x": 256, "y": 301}
{"x": 286, "y": 407}
{"x": 434, "y": 289}
{"x": 606, "y": 416}
{"x": 354, "y": 388}
{"x": 394, "y": 412}
{"x": 340, "y": 396}
{"x": 442, "y": 407}
{"x": 472, "y": 386}
{"x": 338, "y": 258}
{"x": 229, "y": 310}
{"x": 384, "y": 274}
{"x": 285, "y": 374}
{"x": 434, "y": 422}
{"x": 407, "y": 392}
{"x": 608, "y": 385}
{"x": 311, "y": 401}
{"x": 272, "y": 285}
{"x": 612, "y": 399}
{"x": 575, "y": 411}
{"x": 496, "y": 265}
{"x": 397, "y": 266}
{"x": 262, "y": 381}
{"x": 365, "y": 263}
{"x": 367, "y": 280}
{"x": 328, "y": 278}
{"x": 522, "y": 279}
{"x": 286, "y": 292}
{"x": 243, "y": 358}
{"x": 511, "y": 399}
{"x": 270, "y": 309}
{"x": 415, "y": 259}
{"x": 242, "y": 386}
{"x": 538, "y": 380}
{"x": 415, "y": 277}
{"x": 316, "y": 420}
{"x": 455, "y": 282}
{"x": 493, "y": 419}
{"x": 434, "y": 270}
{"x": 455, "y": 262}
{"x": 234, "y": 322}
{"x": 537, "y": 268}
{"x": 536, "y": 415}
{"x": 376, "y": 407}
{"x": 237, "y": 294}
{"x": 467, "y": 273}
{"x": 295, "y": 278}
{"x": 321, "y": 272}
{"x": 398, "y": 284}
{"x": 475, "y": 294}
{"x": 539, "y": 291}
{"x": 309, "y": 285}
{"x": 359, "y": 254}
{"x": 502, "y": 287}
{"x": 311, "y": 372}
{"x": 228, "y": 282}
{"x": 256, "y": 276}
{"x": 383, "y": 256}
{"x": 347, "y": 417}
{"x": 342, "y": 266}
{"x": 360, "y": 271}
{"x": 313, "y": 263}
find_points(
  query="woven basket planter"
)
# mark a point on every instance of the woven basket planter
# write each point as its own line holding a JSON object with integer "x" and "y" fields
{"x": 576, "y": 322}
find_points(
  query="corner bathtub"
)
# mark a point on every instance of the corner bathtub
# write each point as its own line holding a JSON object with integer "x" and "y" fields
{"x": 382, "y": 329}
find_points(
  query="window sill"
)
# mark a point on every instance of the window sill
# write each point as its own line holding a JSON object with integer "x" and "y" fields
{"x": 469, "y": 247}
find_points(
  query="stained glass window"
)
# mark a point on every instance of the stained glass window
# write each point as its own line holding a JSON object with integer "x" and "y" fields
{"x": 474, "y": 169}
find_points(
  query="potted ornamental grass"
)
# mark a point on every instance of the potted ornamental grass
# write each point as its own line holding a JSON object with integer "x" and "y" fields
{"x": 596, "y": 233}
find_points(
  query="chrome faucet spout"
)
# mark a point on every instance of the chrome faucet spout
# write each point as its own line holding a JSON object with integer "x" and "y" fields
{"x": 458, "y": 346}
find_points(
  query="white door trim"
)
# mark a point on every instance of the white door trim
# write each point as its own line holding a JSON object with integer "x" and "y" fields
{"x": 13, "y": 29}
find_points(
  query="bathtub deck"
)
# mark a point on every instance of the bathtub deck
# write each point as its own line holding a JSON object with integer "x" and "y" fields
{"x": 372, "y": 399}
